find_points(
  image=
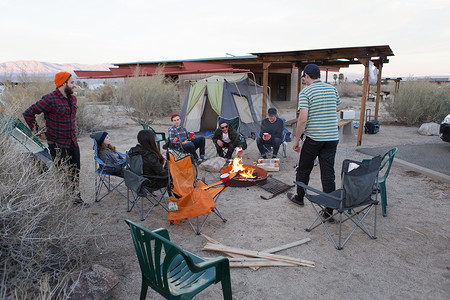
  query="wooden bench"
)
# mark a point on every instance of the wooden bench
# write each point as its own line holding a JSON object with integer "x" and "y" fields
{"x": 345, "y": 127}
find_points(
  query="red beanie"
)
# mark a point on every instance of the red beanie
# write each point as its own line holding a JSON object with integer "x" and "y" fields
{"x": 173, "y": 116}
{"x": 61, "y": 78}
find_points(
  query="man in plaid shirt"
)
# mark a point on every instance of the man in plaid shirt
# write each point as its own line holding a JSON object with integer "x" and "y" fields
{"x": 60, "y": 108}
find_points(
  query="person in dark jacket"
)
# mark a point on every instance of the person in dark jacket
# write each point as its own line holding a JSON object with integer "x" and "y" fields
{"x": 270, "y": 134}
{"x": 152, "y": 160}
{"x": 225, "y": 137}
{"x": 108, "y": 154}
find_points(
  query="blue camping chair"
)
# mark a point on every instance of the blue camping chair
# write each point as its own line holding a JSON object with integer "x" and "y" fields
{"x": 285, "y": 138}
{"x": 103, "y": 178}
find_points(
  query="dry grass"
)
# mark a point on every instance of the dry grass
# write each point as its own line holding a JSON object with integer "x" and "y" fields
{"x": 419, "y": 102}
{"x": 148, "y": 97}
{"x": 349, "y": 89}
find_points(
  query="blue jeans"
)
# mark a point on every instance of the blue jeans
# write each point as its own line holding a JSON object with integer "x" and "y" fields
{"x": 326, "y": 151}
{"x": 193, "y": 145}
{"x": 263, "y": 145}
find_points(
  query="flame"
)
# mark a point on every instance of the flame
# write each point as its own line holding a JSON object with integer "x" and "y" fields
{"x": 241, "y": 169}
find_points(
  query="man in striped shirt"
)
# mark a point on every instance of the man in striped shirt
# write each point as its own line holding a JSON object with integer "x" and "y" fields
{"x": 318, "y": 121}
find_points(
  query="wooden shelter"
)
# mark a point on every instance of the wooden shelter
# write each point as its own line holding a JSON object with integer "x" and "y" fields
{"x": 331, "y": 57}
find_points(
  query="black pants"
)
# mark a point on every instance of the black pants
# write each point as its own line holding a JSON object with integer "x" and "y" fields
{"x": 72, "y": 156}
{"x": 230, "y": 148}
{"x": 264, "y": 146}
{"x": 194, "y": 144}
{"x": 326, "y": 151}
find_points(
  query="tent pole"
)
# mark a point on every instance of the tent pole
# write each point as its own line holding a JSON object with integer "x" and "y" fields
{"x": 377, "y": 101}
{"x": 365, "y": 62}
{"x": 266, "y": 66}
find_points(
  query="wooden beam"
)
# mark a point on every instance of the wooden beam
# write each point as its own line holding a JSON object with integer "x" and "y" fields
{"x": 365, "y": 62}
{"x": 259, "y": 254}
{"x": 377, "y": 101}
{"x": 266, "y": 66}
{"x": 299, "y": 82}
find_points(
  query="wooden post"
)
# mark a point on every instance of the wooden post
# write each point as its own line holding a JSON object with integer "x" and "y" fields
{"x": 266, "y": 66}
{"x": 326, "y": 76}
{"x": 299, "y": 88}
{"x": 377, "y": 101}
{"x": 365, "y": 62}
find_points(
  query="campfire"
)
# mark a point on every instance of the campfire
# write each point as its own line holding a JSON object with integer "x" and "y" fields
{"x": 243, "y": 175}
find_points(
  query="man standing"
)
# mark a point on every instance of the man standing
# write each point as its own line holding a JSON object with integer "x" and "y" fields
{"x": 60, "y": 108}
{"x": 318, "y": 121}
{"x": 271, "y": 133}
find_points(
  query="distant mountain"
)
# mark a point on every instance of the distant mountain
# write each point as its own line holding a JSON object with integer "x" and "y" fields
{"x": 12, "y": 69}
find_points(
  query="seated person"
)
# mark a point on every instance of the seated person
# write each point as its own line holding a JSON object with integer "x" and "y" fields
{"x": 107, "y": 153}
{"x": 153, "y": 163}
{"x": 225, "y": 137}
{"x": 179, "y": 137}
{"x": 273, "y": 127}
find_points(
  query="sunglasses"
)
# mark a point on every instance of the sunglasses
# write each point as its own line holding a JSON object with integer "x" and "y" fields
{"x": 223, "y": 127}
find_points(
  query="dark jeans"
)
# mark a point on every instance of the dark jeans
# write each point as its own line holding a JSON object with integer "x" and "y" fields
{"x": 194, "y": 144}
{"x": 230, "y": 148}
{"x": 72, "y": 156}
{"x": 326, "y": 151}
{"x": 263, "y": 145}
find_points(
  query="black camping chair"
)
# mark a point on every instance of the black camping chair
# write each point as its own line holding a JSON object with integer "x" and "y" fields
{"x": 353, "y": 201}
{"x": 140, "y": 186}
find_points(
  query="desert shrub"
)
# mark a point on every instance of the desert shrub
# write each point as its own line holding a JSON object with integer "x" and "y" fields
{"x": 419, "y": 102}
{"x": 349, "y": 89}
{"x": 102, "y": 94}
{"x": 147, "y": 97}
{"x": 88, "y": 117}
{"x": 42, "y": 238}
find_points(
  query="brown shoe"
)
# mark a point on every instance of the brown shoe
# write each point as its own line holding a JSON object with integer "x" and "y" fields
{"x": 293, "y": 198}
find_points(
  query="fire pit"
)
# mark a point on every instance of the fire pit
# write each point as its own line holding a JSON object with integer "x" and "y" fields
{"x": 246, "y": 175}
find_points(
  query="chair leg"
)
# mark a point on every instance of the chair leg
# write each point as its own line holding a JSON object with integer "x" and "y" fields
{"x": 144, "y": 289}
{"x": 383, "y": 193}
{"x": 226, "y": 288}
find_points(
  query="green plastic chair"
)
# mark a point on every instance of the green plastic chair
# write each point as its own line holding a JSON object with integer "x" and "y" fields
{"x": 159, "y": 136}
{"x": 173, "y": 272}
{"x": 236, "y": 124}
{"x": 385, "y": 167}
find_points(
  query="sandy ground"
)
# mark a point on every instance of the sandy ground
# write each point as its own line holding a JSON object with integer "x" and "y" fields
{"x": 409, "y": 259}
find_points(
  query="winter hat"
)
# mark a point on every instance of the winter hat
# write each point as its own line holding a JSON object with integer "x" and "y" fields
{"x": 99, "y": 136}
{"x": 61, "y": 78}
{"x": 221, "y": 121}
{"x": 173, "y": 116}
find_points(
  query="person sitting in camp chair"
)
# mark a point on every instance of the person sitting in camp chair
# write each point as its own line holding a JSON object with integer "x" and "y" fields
{"x": 180, "y": 139}
{"x": 225, "y": 137}
{"x": 153, "y": 163}
{"x": 107, "y": 153}
{"x": 270, "y": 135}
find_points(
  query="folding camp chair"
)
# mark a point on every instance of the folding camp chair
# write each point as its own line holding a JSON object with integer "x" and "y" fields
{"x": 26, "y": 141}
{"x": 236, "y": 124}
{"x": 194, "y": 197}
{"x": 103, "y": 178}
{"x": 353, "y": 201}
{"x": 140, "y": 186}
{"x": 385, "y": 167}
{"x": 173, "y": 272}
{"x": 285, "y": 138}
{"x": 159, "y": 136}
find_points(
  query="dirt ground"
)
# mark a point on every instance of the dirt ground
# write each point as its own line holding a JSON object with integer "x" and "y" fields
{"x": 409, "y": 259}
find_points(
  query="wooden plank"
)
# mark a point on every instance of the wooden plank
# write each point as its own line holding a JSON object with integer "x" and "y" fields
{"x": 258, "y": 264}
{"x": 287, "y": 246}
{"x": 259, "y": 254}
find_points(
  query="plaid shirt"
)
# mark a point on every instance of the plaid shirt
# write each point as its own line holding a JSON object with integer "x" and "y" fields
{"x": 180, "y": 133}
{"x": 59, "y": 118}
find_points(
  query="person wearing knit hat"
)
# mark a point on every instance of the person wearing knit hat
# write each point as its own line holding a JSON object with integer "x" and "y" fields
{"x": 108, "y": 154}
{"x": 225, "y": 138}
{"x": 60, "y": 108}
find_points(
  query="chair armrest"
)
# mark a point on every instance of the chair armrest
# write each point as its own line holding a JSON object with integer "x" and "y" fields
{"x": 307, "y": 187}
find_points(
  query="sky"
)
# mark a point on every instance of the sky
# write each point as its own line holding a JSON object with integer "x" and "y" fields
{"x": 118, "y": 31}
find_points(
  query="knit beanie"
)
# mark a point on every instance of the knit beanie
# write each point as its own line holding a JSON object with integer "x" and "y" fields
{"x": 61, "y": 78}
{"x": 99, "y": 136}
{"x": 174, "y": 115}
{"x": 221, "y": 121}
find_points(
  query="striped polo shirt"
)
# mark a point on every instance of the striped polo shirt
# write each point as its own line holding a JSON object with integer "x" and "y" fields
{"x": 321, "y": 100}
